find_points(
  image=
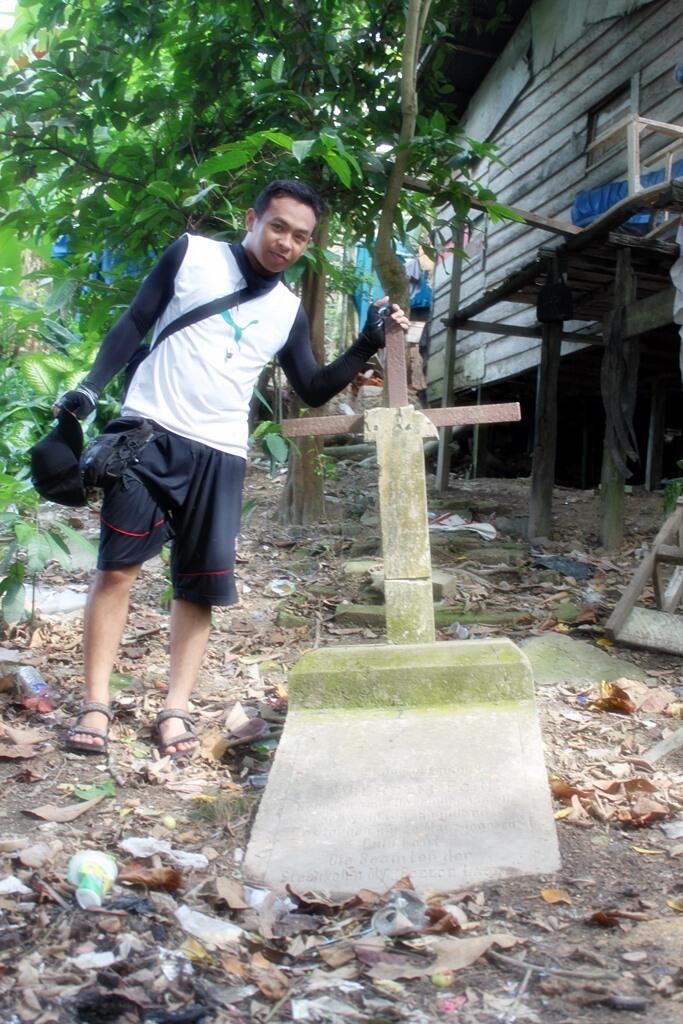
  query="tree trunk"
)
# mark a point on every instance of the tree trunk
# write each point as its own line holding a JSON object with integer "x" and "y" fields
{"x": 303, "y": 499}
{"x": 387, "y": 264}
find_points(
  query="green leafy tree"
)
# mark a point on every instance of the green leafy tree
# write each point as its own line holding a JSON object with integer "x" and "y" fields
{"x": 125, "y": 124}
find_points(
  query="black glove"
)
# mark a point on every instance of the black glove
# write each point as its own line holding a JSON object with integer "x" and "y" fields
{"x": 80, "y": 402}
{"x": 373, "y": 330}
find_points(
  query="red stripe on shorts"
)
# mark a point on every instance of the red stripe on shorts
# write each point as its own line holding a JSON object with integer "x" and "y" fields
{"x": 128, "y": 533}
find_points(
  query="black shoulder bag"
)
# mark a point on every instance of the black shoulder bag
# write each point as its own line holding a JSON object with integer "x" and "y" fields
{"x": 124, "y": 438}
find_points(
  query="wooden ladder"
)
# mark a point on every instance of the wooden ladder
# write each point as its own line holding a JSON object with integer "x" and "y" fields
{"x": 660, "y": 628}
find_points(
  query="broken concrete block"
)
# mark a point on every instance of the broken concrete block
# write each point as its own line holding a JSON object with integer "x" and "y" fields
{"x": 360, "y": 566}
{"x": 288, "y": 620}
{"x": 374, "y": 615}
{"x": 556, "y": 658}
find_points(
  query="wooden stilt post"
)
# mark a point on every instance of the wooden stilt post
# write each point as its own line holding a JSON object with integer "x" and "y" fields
{"x": 585, "y": 444}
{"x": 619, "y": 382}
{"x": 611, "y": 502}
{"x": 655, "y": 437}
{"x": 446, "y": 433}
{"x": 545, "y": 433}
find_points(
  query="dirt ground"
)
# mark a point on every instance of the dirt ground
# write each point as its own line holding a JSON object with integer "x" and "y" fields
{"x": 600, "y": 941}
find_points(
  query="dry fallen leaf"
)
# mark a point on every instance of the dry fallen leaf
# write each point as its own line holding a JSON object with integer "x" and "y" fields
{"x": 441, "y": 922}
{"x": 213, "y": 745}
{"x": 642, "y": 812}
{"x": 652, "y": 699}
{"x": 555, "y": 896}
{"x": 16, "y": 751}
{"x": 337, "y": 954}
{"x": 51, "y": 812}
{"x": 451, "y": 955}
{"x": 613, "y": 698}
{"x": 231, "y": 892}
{"x": 610, "y": 918}
{"x": 321, "y": 903}
{"x": 23, "y": 737}
{"x": 561, "y": 790}
{"x": 194, "y": 951}
{"x": 165, "y": 878}
{"x": 675, "y": 905}
{"x": 272, "y": 983}
{"x": 233, "y": 965}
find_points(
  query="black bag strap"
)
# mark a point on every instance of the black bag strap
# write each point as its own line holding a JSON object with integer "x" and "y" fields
{"x": 219, "y": 305}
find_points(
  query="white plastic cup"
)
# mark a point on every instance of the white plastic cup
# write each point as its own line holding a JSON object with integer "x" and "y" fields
{"x": 93, "y": 873}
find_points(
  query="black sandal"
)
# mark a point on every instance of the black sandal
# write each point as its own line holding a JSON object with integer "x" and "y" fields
{"x": 183, "y": 737}
{"x": 74, "y": 746}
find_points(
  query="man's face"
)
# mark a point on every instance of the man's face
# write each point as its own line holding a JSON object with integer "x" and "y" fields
{"x": 277, "y": 238}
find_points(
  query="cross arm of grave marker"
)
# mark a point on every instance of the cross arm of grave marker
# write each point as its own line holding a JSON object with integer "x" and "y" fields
{"x": 397, "y": 390}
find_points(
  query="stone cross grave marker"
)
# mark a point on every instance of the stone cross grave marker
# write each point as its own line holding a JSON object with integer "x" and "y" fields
{"x": 413, "y": 757}
{"x": 399, "y": 432}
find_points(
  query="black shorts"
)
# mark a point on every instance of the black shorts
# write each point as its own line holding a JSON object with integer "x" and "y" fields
{"x": 186, "y": 492}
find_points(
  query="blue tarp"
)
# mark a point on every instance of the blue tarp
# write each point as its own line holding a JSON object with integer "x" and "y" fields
{"x": 592, "y": 203}
{"x": 106, "y": 263}
{"x": 421, "y": 297}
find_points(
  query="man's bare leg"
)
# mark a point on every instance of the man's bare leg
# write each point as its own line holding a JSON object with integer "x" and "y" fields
{"x": 105, "y": 618}
{"x": 190, "y": 626}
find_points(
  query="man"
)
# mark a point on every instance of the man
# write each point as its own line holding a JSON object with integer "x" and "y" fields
{"x": 196, "y": 387}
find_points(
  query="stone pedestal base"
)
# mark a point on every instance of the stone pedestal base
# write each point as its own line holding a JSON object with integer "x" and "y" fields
{"x": 422, "y": 760}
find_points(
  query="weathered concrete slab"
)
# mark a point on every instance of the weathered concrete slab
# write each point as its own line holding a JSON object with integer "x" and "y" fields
{"x": 374, "y": 615}
{"x": 654, "y": 630}
{"x": 556, "y": 658}
{"x": 423, "y": 759}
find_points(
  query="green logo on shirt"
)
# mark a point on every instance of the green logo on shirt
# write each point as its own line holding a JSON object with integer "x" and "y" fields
{"x": 239, "y": 331}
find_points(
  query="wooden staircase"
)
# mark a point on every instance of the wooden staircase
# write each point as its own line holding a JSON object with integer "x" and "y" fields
{"x": 660, "y": 628}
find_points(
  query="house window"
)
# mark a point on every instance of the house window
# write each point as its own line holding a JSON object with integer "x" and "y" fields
{"x": 606, "y": 134}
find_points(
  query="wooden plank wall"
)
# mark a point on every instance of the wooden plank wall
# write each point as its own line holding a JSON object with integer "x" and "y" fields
{"x": 543, "y": 143}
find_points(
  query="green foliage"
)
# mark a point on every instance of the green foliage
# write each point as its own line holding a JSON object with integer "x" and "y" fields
{"x": 273, "y": 444}
{"x": 673, "y": 490}
{"x": 138, "y": 122}
{"x": 326, "y": 467}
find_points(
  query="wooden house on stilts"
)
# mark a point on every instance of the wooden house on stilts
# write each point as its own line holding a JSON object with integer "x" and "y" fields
{"x": 572, "y": 311}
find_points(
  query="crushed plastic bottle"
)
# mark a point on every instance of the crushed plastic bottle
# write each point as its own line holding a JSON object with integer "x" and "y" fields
{"x": 93, "y": 873}
{"x": 32, "y": 690}
{"x": 280, "y": 587}
{"x": 403, "y": 913}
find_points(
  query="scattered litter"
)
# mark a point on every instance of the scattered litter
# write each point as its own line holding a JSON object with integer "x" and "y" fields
{"x": 93, "y": 873}
{"x": 10, "y": 885}
{"x": 211, "y": 931}
{"x": 32, "y": 690}
{"x": 402, "y": 914}
{"x": 146, "y": 846}
{"x": 565, "y": 566}
{"x": 51, "y": 812}
{"x": 93, "y": 961}
{"x": 451, "y": 522}
{"x": 54, "y": 603}
{"x": 280, "y": 588}
{"x": 457, "y": 631}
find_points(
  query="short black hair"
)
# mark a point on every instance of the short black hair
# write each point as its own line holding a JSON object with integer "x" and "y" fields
{"x": 298, "y": 190}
